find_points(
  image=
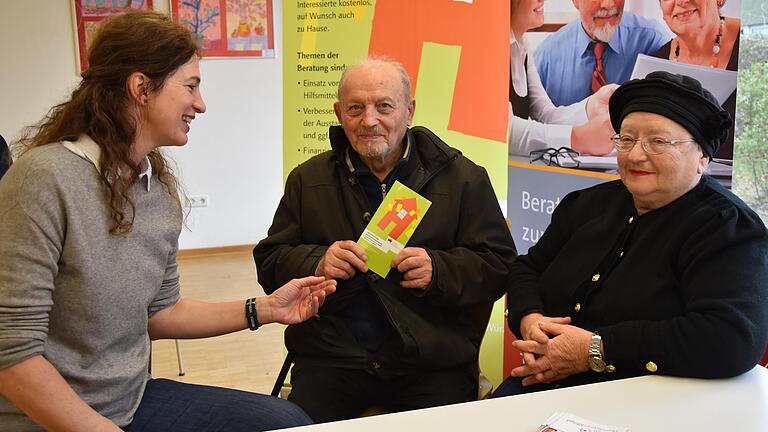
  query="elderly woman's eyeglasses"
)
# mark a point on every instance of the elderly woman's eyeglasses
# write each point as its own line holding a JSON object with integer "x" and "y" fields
{"x": 651, "y": 144}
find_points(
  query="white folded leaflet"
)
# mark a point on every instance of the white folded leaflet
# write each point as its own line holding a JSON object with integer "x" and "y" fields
{"x": 567, "y": 422}
{"x": 721, "y": 83}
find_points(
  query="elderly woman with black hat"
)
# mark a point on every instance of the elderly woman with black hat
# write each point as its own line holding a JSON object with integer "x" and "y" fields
{"x": 661, "y": 272}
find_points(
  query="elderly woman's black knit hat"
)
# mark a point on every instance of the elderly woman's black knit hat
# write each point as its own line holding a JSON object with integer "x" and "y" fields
{"x": 679, "y": 98}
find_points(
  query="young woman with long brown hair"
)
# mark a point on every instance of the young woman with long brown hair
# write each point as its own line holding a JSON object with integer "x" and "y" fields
{"x": 89, "y": 230}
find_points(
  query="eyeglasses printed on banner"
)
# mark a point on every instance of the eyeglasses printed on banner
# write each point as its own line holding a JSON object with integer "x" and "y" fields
{"x": 556, "y": 157}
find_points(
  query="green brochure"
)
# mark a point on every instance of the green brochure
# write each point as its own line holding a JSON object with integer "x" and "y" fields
{"x": 392, "y": 226}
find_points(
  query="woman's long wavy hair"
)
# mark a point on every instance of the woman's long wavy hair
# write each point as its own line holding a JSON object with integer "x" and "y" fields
{"x": 102, "y": 106}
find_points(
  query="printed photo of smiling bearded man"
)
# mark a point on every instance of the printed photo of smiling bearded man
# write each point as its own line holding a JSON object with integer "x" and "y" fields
{"x": 597, "y": 49}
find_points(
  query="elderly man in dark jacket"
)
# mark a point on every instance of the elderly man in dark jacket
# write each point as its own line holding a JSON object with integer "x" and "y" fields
{"x": 408, "y": 340}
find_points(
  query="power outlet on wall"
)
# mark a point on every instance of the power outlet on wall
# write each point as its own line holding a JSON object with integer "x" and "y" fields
{"x": 199, "y": 201}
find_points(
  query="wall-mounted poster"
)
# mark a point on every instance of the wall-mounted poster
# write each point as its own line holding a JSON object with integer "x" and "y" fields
{"x": 90, "y": 13}
{"x": 228, "y": 28}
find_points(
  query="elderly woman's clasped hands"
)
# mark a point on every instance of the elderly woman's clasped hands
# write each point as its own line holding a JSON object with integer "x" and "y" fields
{"x": 552, "y": 349}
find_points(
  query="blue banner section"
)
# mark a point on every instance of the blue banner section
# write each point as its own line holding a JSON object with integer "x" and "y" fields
{"x": 534, "y": 192}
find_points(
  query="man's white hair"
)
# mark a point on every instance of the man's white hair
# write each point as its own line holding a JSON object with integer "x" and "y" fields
{"x": 377, "y": 63}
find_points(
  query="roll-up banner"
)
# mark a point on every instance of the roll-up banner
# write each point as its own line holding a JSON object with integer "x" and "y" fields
{"x": 563, "y": 63}
{"x": 453, "y": 51}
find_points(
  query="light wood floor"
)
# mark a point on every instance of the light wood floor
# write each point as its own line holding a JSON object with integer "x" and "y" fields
{"x": 244, "y": 360}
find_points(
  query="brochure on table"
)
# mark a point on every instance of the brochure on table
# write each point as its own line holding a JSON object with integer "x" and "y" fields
{"x": 567, "y": 422}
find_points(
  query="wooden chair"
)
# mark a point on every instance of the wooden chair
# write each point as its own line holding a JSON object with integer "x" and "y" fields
{"x": 179, "y": 359}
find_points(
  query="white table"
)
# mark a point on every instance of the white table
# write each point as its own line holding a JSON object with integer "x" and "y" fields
{"x": 650, "y": 403}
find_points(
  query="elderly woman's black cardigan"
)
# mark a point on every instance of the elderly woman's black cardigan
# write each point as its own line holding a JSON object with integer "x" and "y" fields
{"x": 684, "y": 286}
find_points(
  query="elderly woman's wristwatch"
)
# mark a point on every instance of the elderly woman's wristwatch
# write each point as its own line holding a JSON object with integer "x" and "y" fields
{"x": 595, "y": 359}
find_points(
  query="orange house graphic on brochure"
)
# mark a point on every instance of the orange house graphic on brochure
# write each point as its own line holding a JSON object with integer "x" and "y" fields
{"x": 402, "y": 213}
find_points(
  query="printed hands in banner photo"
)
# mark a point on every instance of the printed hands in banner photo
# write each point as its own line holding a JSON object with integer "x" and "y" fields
{"x": 594, "y": 136}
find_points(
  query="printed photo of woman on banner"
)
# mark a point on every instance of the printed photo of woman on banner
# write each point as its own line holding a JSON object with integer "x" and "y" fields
{"x": 706, "y": 37}
{"x": 568, "y": 56}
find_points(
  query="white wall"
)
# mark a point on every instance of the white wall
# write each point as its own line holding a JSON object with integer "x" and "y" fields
{"x": 38, "y": 57}
{"x": 234, "y": 154}
{"x": 235, "y": 151}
